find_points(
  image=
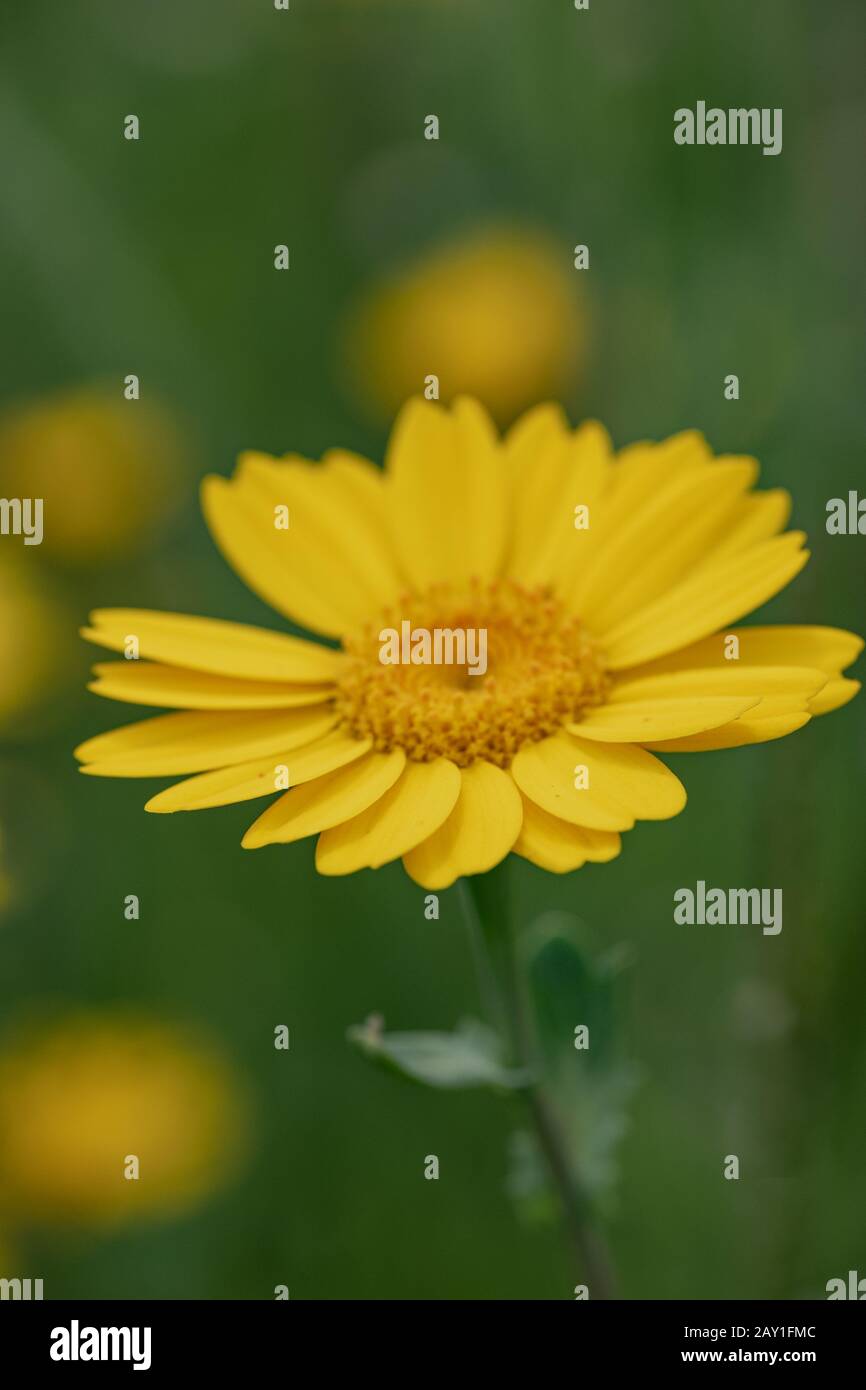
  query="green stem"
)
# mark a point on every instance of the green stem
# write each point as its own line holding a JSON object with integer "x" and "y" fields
{"x": 488, "y": 987}
{"x": 487, "y": 909}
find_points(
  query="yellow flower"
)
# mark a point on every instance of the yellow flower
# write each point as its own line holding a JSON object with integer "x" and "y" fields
{"x": 494, "y": 316}
{"x": 34, "y": 642}
{"x": 81, "y": 1098}
{"x": 607, "y": 644}
{"x": 106, "y": 468}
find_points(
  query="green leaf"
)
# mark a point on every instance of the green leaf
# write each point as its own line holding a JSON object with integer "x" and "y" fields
{"x": 569, "y": 989}
{"x": 591, "y": 1087}
{"x": 470, "y": 1056}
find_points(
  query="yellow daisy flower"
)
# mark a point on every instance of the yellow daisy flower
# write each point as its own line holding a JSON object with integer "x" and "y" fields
{"x": 108, "y": 469}
{"x": 495, "y": 313}
{"x": 34, "y": 643}
{"x": 82, "y": 1095}
{"x": 606, "y": 584}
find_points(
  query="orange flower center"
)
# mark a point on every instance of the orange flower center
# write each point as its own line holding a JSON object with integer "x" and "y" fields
{"x": 471, "y": 672}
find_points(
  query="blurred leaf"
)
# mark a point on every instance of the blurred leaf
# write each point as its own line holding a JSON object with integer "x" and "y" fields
{"x": 591, "y": 1086}
{"x": 595, "y": 1118}
{"x": 470, "y": 1056}
{"x": 527, "y": 1180}
{"x": 570, "y": 989}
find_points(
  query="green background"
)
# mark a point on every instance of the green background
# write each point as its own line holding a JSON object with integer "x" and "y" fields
{"x": 157, "y": 257}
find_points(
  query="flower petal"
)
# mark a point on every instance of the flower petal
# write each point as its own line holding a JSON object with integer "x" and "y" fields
{"x": 552, "y": 471}
{"x": 559, "y": 847}
{"x": 718, "y": 594}
{"x": 478, "y": 833}
{"x": 731, "y": 679}
{"x": 198, "y": 741}
{"x": 827, "y": 649}
{"x": 262, "y": 777}
{"x": 835, "y": 694}
{"x": 785, "y": 695}
{"x": 327, "y": 801}
{"x": 773, "y": 723}
{"x": 624, "y": 783}
{"x": 177, "y": 687}
{"x": 208, "y": 644}
{"x": 756, "y": 517}
{"x": 285, "y": 567}
{"x": 639, "y": 721}
{"x": 447, "y": 492}
{"x": 332, "y": 568}
{"x": 635, "y": 478}
{"x": 662, "y": 540}
{"x": 416, "y": 806}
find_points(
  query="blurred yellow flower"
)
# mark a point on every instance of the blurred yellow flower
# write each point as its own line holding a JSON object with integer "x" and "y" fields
{"x": 108, "y": 469}
{"x": 494, "y": 315}
{"x": 34, "y": 639}
{"x": 81, "y": 1098}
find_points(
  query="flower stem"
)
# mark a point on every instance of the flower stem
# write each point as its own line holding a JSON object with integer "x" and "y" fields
{"x": 486, "y": 906}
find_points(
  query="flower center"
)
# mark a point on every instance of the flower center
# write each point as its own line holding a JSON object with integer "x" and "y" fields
{"x": 469, "y": 672}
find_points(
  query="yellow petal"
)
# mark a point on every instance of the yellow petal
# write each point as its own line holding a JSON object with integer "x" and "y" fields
{"x": 447, "y": 493}
{"x": 327, "y": 801}
{"x": 755, "y": 518}
{"x": 589, "y": 482}
{"x": 533, "y": 433}
{"x": 552, "y": 471}
{"x": 828, "y": 649}
{"x": 640, "y": 721}
{"x": 624, "y": 783}
{"x": 336, "y": 547}
{"x": 363, "y": 485}
{"x": 784, "y": 705}
{"x": 196, "y": 742}
{"x": 635, "y": 478}
{"x": 732, "y": 678}
{"x": 663, "y": 540}
{"x": 178, "y": 687}
{"x": 535, "y": 449}
{"x": 415, "y": 806}
{"x": 835, "y": 694}
{"x": 718, "y": 594}
{"x": 262, "y": 777}
{"x": 478, "y": 833}
{"x": 558, "y": 847}
{"x": 283, "y": 566}
{"x": 208, "y": 644}
{"x": 761, "y": 729}
{"x": 642, "y": 467}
